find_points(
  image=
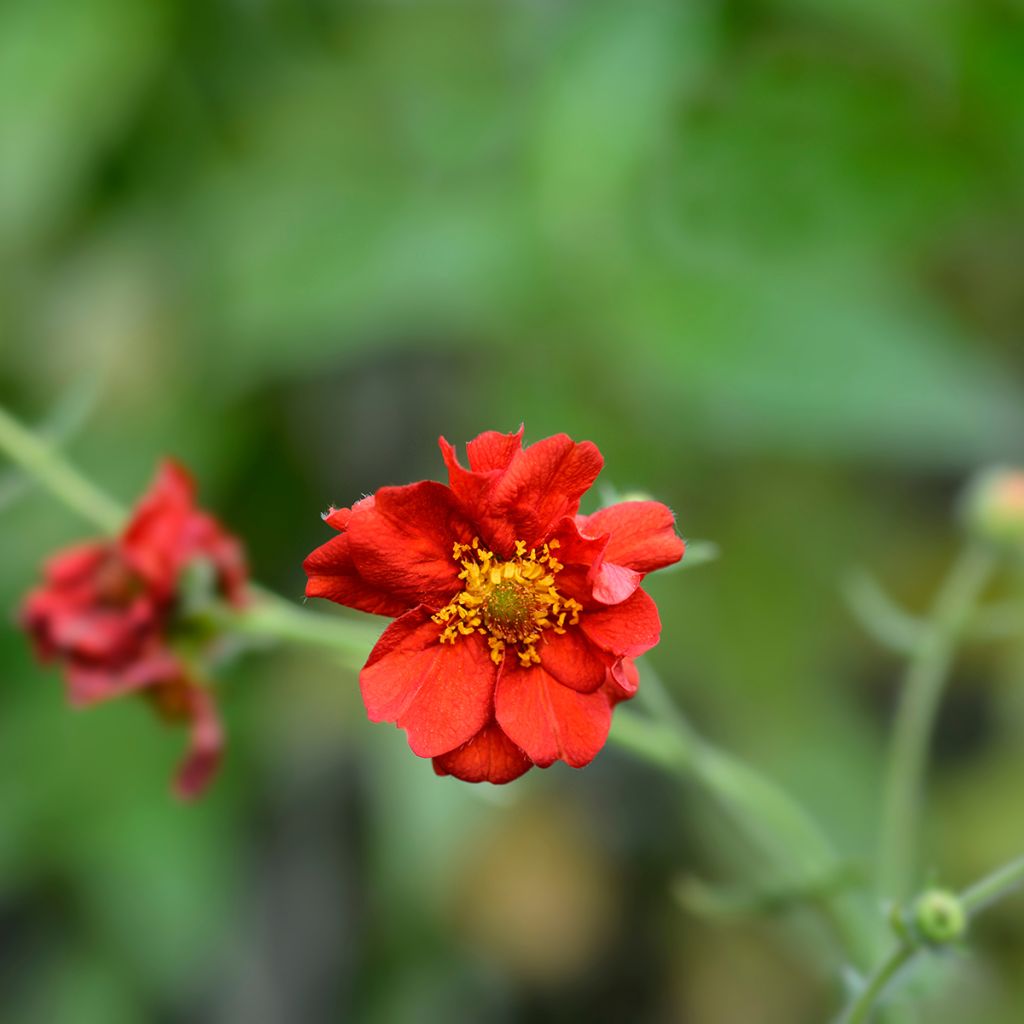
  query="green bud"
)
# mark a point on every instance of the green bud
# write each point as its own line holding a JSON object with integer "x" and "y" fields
{"x": 940, "y": 917}
{"x": 993, "y": 507}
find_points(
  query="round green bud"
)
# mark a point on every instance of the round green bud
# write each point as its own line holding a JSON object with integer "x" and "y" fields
{"x": 993, "y": 507}
{"x": 940, "y": 917}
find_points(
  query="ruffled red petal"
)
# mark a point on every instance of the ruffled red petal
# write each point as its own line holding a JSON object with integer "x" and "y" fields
{"x": 549, "y": 721}
{"x": 77, "y": 564}
{"x": 440, "y": 694}
{"x": 623, "y": 680}
{"x": 333, "y": 575}
{"x": 642, "y": 534}
{"x": 152, "y": 540}
{"x": 626, "y": 629}
{"x": 402, "y": 543}
{"x": 573, "y": 660}
{"x": 91, "y": 683}
{"x": 167, "y": 531}
{"x": 489, "y": 456}
{"x": 492, "y": 450}
{"x": 490, "y": 756}
{"x": 543, "y": 483}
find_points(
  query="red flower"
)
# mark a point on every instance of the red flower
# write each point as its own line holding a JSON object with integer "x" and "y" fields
{"x": 515, "y": 618}
{"x": 106, "y": 611}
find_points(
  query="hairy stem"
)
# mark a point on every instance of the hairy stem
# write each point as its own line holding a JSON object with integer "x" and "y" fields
{"x": 768, "y": 817}
{"x": 923, "y": 683}
{"x": 45, "y": 463}
{"x": 974, "y": 899}
{"x": 274, "y": 618}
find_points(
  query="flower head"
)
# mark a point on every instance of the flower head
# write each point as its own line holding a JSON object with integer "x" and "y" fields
{"x": 516, "y": 618}
{"x": 107, "y": 611}
{"x": 993, "y": 507}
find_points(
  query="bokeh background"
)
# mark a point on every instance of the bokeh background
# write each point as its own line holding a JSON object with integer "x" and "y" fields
{"x": 767, "y": 254}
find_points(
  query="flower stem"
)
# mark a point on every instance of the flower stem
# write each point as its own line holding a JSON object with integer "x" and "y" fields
{"x": 44, "y": 462}
{"x": 993, "y": 887}
{"x": 974, "y": 899}
{"x": 272, "y": 617}
{"x": 860, "y": 1011}
{"x": 923, "y": 683}
{"x": 764, "y": 812}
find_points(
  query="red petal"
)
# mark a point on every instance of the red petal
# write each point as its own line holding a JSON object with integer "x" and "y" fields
{"x": 471, "y": 488}
{"x": 490, "y": 756}
{"x": 572, "y": 659}
{"x": 76, "y": 565}
{"x": 206, "y": 744}
{"x": 614, "y": 583}
{"x": 542, "y": 484}
{"x": 642, "y": 534}
{"x": 441, "y": 694}
{"x": 623, "y": 680}
{"x": 90, "y": 684}
{"x": 626, "y": 629}
{"x": 548, "y": 720}
{"x": 152, "y": 538}
{"x": 333, "y": 575}
{"x": 402, "y": 544}
{"x": 491, "y": 450}
{"x": 337, "y": 518}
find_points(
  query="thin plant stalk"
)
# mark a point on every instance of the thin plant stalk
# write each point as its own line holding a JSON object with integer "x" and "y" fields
{"x": 920, "y": 696}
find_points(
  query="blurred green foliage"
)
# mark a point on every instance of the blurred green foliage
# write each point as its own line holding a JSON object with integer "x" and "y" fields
{"x": 767, "y": 253}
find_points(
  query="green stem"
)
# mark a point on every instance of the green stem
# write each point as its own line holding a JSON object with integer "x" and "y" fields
{"x": 860, "y": 1011}
{"x": 764, "y": 813}
{"x": 974, "y": 899}
{"x": 271, "y": 617}
{"x": 923, "y": 683}
{"x": 993, "y": 887}
{"x": 268, "y": 615}
{"x": 44, "y": 462}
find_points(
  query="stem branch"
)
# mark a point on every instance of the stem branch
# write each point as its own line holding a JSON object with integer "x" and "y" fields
{"x": 923, "y": 683}
{"x": 44, "y": 462}
{"x": 974, "y": 898}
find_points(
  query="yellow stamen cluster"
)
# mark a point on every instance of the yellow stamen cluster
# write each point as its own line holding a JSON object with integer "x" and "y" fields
{"x": 511, "y": 603}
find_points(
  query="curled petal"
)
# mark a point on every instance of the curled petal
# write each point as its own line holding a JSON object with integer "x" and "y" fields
{"x": 612, "y": 583}
{"x": 333, "y": 575}
{"x": 206, "y": 744}
{"x": 642, "y": 534}
{"x": 623, "y": 680}
{"x": 549, "y": 721}
{"x": 627, "y": 629}
{"x": 402, "y": 543}
{"x": 440, "y": 694}
{"x": 490, "y": 756}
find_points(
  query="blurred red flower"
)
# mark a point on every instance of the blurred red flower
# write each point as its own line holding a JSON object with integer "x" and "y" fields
{"x": 107, "y": 611}
{"x": 515, "y": 618}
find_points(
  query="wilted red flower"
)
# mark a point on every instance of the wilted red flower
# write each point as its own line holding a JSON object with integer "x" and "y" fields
{"x": 107, "y": 610}
{"x": 516, "y": 618}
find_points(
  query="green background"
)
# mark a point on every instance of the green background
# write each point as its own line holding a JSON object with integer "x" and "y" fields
{"x": 766, "y": 253}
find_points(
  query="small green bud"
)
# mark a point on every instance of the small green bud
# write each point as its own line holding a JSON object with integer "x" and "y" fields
{"x": 940, "y": 917}
{"x": 993, "y": 507}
